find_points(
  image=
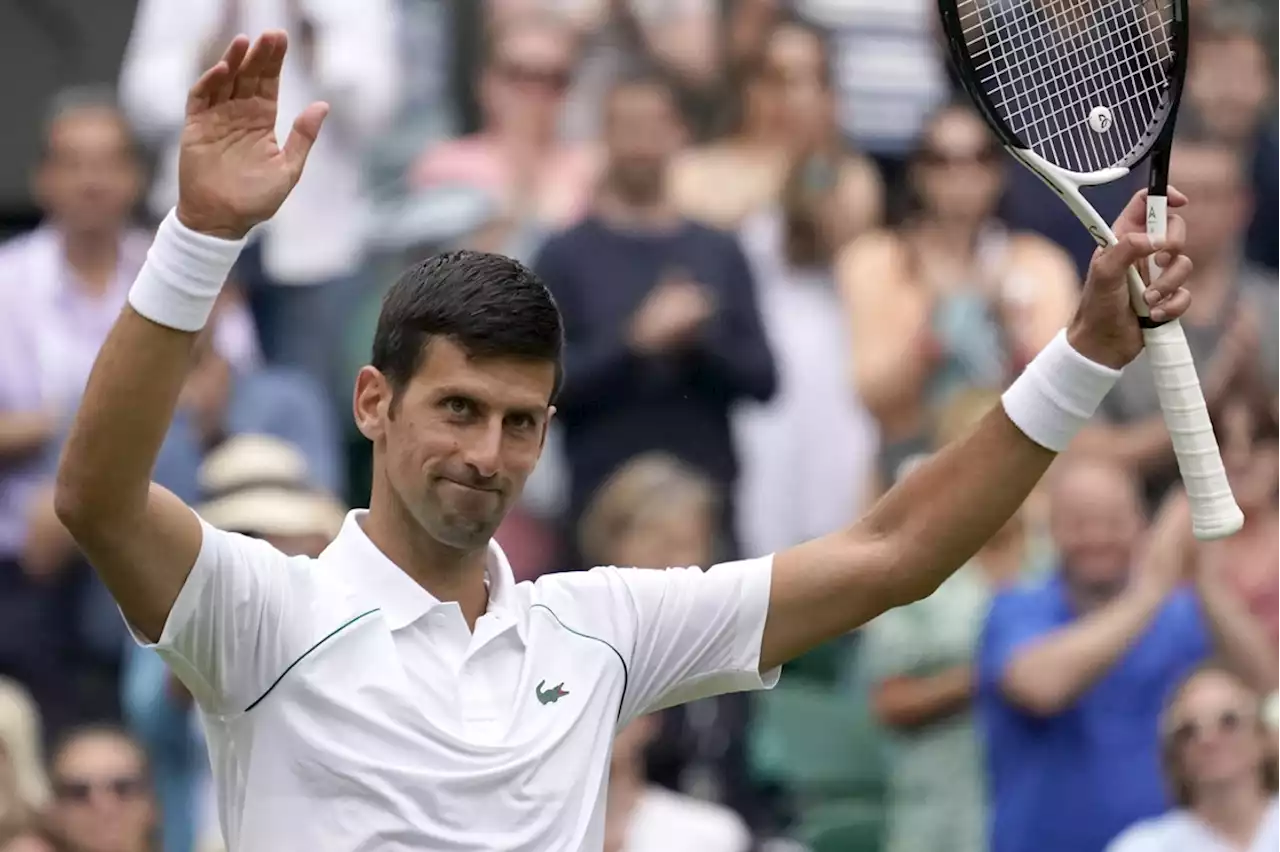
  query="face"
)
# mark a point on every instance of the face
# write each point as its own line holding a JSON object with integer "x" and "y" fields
{"x": 89, "y": 180}
{"x": 1211, "y": 177}
{"x": 1095, "y": 521}
{"x": 1250, "y": 456}
{"x": 1214, "y": 732}
{"x": 461, "y": 439}
{"x": 794, "y": 69}
{"x": 642, "y": 133}
{"x": 101, "y": 798}
{"x": 677, "y": 533}
{"x": 1229, "y": 85}
{"x": 958, "y": 172}
{"x": 528, "y": 75}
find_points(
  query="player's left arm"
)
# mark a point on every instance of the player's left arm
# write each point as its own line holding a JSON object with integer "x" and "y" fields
{"x": 936, "y": 518}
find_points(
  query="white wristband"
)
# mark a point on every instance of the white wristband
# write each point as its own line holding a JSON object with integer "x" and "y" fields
{"x": 183, "y": 275}
{"x": 1057, "y": 394}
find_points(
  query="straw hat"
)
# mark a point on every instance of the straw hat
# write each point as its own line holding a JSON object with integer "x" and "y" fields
{"x": 259, "y": 484}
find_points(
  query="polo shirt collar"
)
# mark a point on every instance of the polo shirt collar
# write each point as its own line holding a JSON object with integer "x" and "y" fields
{"x": 401, "y": 600}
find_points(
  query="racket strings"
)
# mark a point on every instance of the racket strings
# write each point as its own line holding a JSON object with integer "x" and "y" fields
{"x": 1047, "y": 64}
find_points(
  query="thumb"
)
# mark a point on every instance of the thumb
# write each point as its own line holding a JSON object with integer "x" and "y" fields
{"x": 306, "y": 127}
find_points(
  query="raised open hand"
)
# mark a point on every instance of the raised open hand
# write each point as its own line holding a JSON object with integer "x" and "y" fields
{"x": 232, "y": 173}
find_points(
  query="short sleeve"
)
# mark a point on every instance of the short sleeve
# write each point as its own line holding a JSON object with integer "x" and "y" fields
{"x": 682, "y": 633}
{"x": 1013, "y": 621}
{"x": 696, "y": 633}
{"x": 241, "y": 618}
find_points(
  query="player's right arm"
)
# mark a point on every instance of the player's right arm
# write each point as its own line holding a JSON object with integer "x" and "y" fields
{"x": 141, "y": 539}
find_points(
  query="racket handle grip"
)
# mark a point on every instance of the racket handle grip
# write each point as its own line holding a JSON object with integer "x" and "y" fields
{"x": 1214, "y": 513}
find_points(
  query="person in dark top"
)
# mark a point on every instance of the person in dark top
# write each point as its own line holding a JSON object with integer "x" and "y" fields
{"x": 662, "y": 329}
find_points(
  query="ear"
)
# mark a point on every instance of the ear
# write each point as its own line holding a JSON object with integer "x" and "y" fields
{"x": 371, "y": 402}
{"x": 546, "y": 426}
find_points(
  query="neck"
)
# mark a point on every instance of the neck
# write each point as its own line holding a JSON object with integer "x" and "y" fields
{"x": 94, "y": 256}
{"x": 623, "y": 212}
{"x": 955, "y": 237}
{"x": 1233, "y": 810}
{"x": 446, "y": 573}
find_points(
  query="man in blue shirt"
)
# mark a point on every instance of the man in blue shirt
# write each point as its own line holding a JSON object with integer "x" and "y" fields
{"x": 1073, "y": 672}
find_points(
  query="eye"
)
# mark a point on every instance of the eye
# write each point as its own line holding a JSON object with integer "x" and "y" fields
{"x": 522, "y": 422}
{"x": 458, "y": 406}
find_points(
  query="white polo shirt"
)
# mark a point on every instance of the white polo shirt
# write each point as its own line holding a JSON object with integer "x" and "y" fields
{"x": 347, "y": 709}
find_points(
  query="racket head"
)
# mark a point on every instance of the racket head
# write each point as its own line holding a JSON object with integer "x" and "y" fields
{"x": 1038, "y": 71}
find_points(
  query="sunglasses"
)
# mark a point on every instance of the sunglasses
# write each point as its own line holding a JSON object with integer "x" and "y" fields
{"x": 554, "y": 79}
{"x": 80, "y": 790}
{"x": 1195, "y": 730}
{"x": 985, "y": 157}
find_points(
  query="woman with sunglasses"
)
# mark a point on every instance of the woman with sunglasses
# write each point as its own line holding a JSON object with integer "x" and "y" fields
{"x": 102, "y": 793}
{"x": 1220, "y": 763}
{"x": 952, "y": 297}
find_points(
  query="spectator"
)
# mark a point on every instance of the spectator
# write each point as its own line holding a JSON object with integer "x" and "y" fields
{"x": 787, "y": 113}
{"x": 1221, "y": 769}
{"x": 620, "y": 38}
{"x": 536, "y": 183}
{"x": 656, "y": 512}
{"x": 1231, "y": 328}
{"x": 655, "y": 360}
{"x": 814, "y": 440}
{"x": 1249, "y": 560}
{"x": 61, "y": 288}
{"x": 1231, "y": 95}
{"x": 920, "y": 661}
{"x": 302, "y": 275}
{"x": 102, "y": 799}
{"x": 640, "y": 817}
{"x": 23, "y": 785}
{"x": 1073, "y": 672}
{"x": 254, "y": 485}
{"x": 952, "y": 298}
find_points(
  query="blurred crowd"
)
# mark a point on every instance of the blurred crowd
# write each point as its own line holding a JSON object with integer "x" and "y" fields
{"x": 792, "y": 263}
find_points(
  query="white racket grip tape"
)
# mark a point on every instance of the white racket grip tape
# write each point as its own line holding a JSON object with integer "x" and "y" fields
{"x": 183, "y": 275}
{"x": 1214, "y": 513}
{"x": 1157, "y": 228}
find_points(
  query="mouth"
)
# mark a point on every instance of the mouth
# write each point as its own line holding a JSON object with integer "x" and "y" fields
{"x": 469, "y": 487}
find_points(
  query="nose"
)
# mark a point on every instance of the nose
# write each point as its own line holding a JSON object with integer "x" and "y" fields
{"x": 483, "y": 450}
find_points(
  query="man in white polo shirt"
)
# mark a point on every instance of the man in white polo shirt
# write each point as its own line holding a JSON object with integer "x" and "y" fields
{"x": 402, "y": 692}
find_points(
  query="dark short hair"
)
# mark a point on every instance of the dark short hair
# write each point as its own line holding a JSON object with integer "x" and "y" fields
{"x": 488, "y": 304}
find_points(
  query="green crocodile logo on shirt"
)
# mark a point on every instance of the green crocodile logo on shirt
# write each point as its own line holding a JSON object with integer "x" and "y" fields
{"x": 552, "y": 695}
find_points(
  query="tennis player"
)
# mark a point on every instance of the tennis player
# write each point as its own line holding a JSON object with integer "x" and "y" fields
{"x": 402, "y": 692}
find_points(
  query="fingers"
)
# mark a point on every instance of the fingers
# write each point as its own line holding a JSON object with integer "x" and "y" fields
{"x": 1168, "y": 298}
{"x": 256, "y": 63}
{"x": 1134, "y": 215}
{"x": 306, "y": 127}
{"x": 1175, "y": 237}
{"x": 210, "y": 88}
{"x": 269, "y": 81}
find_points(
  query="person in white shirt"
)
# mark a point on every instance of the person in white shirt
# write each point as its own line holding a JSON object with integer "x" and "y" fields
{"x": 643, "y": 817}
{"x": 1220, "y": 761}
{"x": 304, "y": 272}
{"x": 401, "y": 692}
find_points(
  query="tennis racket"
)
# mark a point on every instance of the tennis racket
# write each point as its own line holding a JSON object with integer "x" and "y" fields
{"x": 1081, "y": 92}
